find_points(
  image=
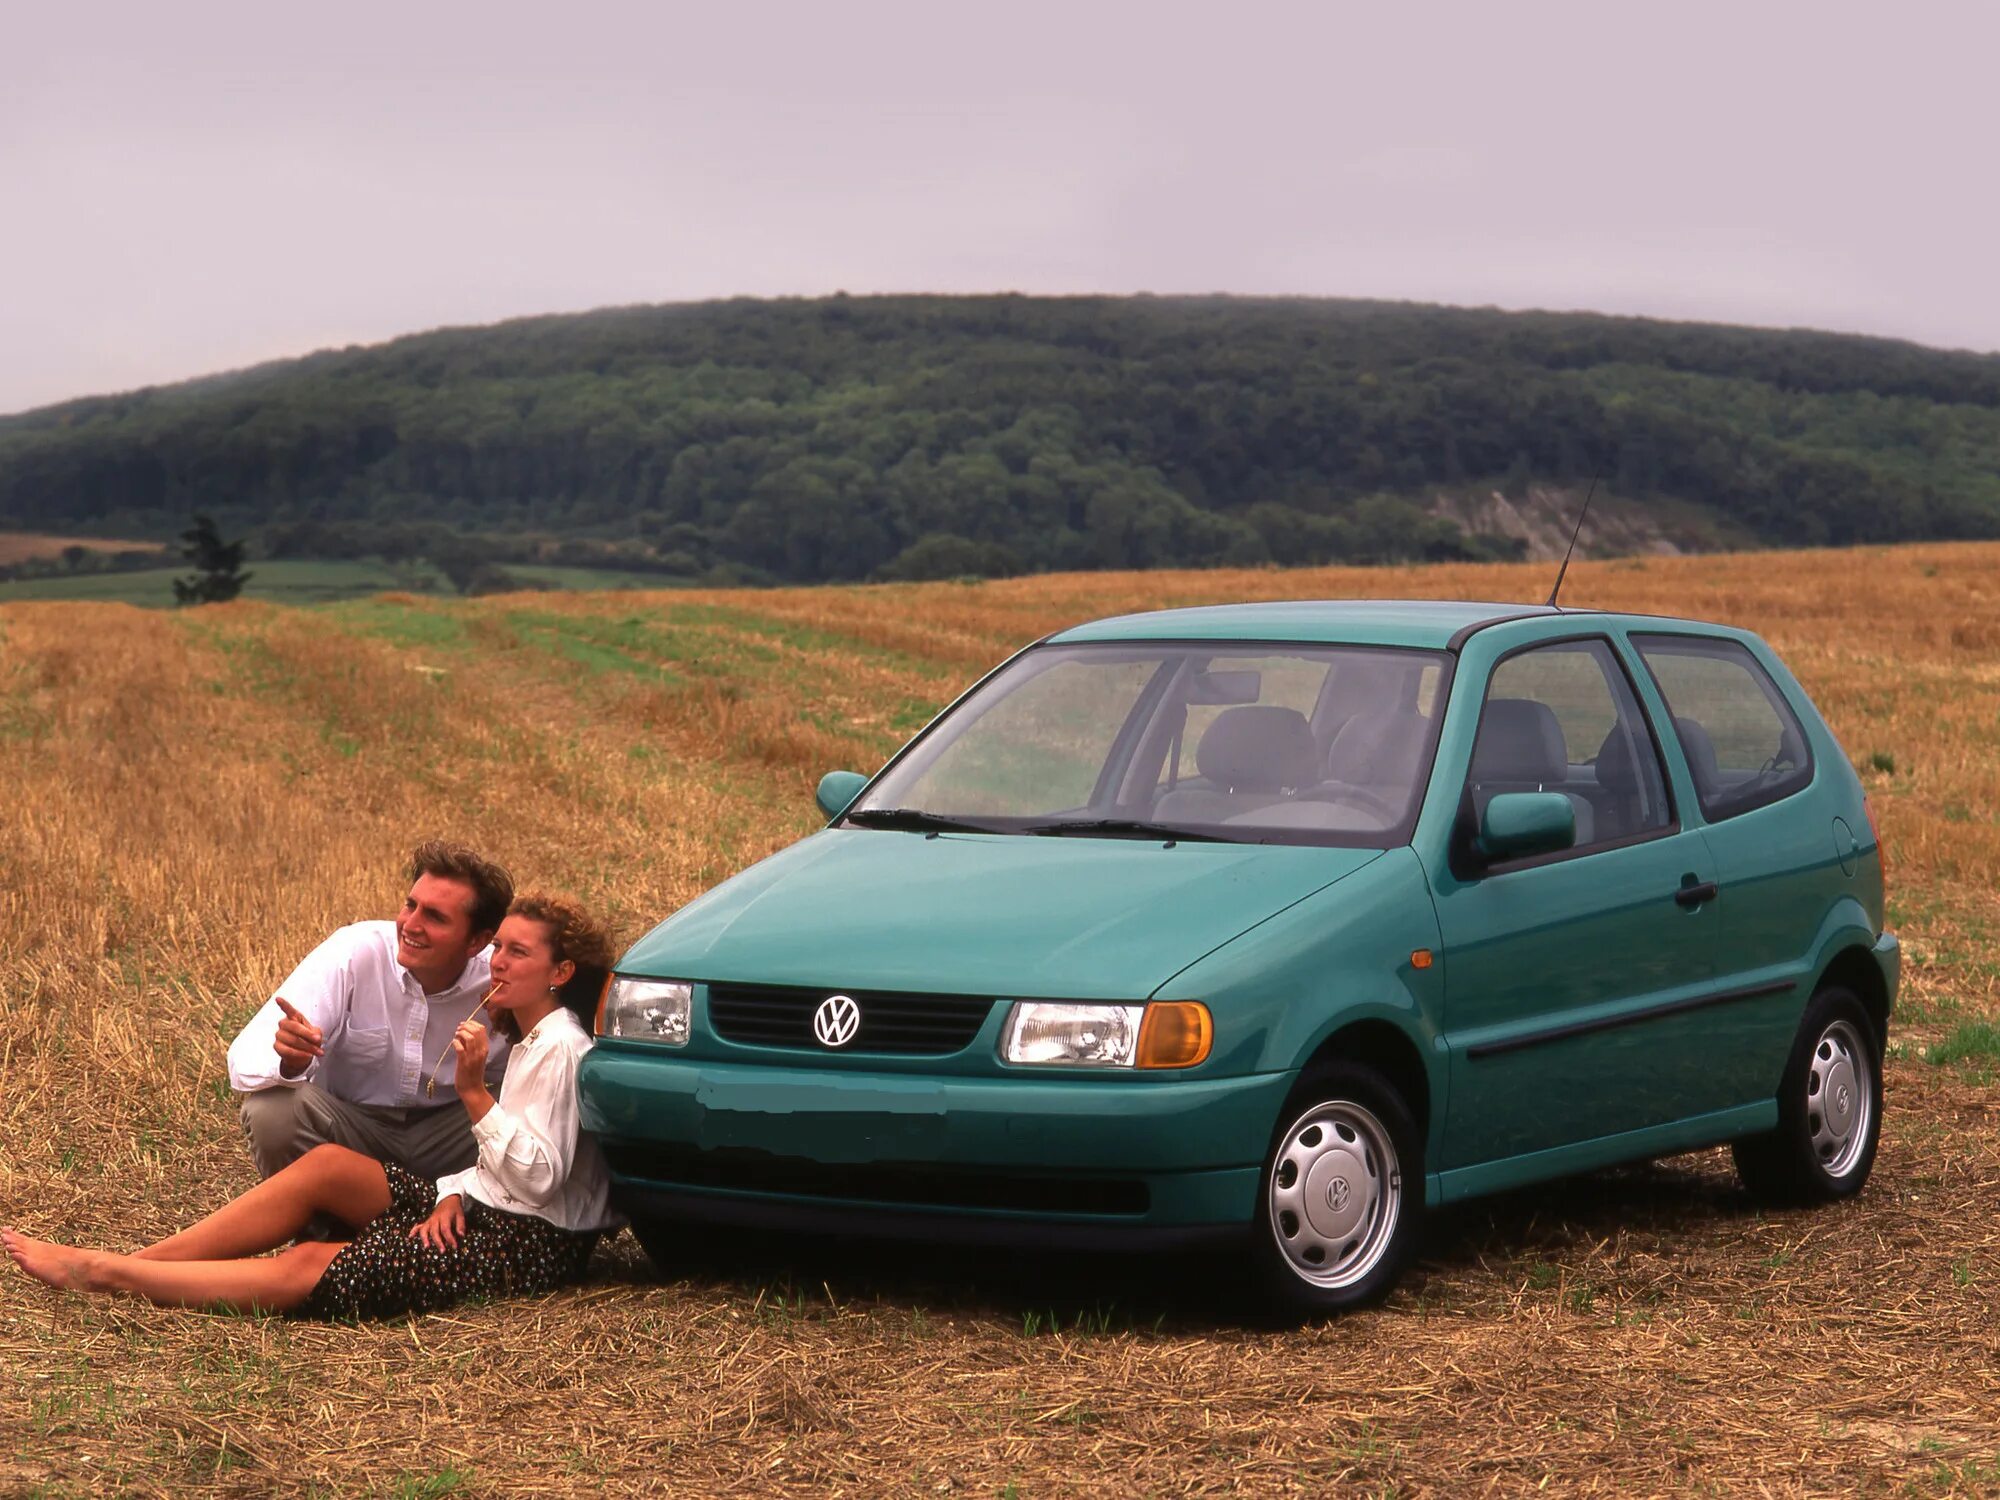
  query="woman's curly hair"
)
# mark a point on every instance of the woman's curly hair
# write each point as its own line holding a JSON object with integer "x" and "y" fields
{"x": 576, "y": 935}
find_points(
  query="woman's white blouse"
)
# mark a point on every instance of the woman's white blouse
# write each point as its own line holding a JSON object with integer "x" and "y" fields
{"x": 534, "y": 1156}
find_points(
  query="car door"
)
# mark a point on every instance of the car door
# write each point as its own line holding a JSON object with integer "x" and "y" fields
{"x": 1567, "y": 974}
{"x": 1776, "y": 836}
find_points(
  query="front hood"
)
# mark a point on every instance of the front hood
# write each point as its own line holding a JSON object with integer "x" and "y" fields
{"x": 1077, "y": 918}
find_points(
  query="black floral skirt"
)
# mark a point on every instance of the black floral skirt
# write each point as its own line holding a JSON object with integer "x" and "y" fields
{"x": 385, "y": 1273}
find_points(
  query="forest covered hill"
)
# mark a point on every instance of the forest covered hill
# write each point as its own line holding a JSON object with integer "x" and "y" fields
{"x": 844, "y": 438}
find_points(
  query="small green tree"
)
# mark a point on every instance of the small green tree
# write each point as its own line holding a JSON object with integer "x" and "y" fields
{"x": 218, "y": 566}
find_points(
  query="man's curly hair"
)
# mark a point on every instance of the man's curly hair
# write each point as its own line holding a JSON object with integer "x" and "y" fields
{"x": 578, "y": 936}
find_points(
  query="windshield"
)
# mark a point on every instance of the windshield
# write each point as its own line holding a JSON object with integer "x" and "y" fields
{"x": 1246, "y": 743}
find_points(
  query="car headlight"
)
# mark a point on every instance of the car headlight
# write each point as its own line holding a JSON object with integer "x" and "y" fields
{"x": 647, "y": 1010}
{"x": 1100, "y": 1036}
{"x": 1164, "y": 1034}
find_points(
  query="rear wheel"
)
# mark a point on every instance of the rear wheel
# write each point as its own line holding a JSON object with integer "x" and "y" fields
{"x": 1829, "y": 1109}
{"x": 1342, "y": 1194}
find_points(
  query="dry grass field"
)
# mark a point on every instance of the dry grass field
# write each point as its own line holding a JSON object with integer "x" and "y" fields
{"x": 19, "y": 546}
{"x": 193, "y": 799}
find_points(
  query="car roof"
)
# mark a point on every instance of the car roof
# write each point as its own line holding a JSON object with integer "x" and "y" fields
{"x": 1433, "y": 623}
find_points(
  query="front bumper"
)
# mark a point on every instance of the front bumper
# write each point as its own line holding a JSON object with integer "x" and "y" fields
{"x": 1027, "y": 1158}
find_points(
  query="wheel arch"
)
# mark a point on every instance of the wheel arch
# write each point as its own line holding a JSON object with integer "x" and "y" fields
{"x": 1854, "y": 968}
{"x": 1387, "y": 1049}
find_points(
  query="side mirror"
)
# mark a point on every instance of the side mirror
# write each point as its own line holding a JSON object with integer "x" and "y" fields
{"x": 837, "y": 789}
{"x": 1519, "y": 824}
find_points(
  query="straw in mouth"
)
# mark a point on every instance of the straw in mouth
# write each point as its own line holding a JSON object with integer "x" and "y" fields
{"x": 431, "y": 1083}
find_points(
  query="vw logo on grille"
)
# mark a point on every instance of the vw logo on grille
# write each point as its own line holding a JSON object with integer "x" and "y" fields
{"x": 836, "y": 1020}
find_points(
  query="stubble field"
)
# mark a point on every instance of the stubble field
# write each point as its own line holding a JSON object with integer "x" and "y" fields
{"x": 20, "y": 546}
{"x": 192, "y": 800}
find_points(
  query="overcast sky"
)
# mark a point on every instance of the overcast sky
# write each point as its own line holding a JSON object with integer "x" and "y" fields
{"x": 192, "y": 187}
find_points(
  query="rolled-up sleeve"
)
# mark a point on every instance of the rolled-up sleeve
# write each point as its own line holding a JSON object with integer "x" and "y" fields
{"x": 527, "y": 1143}
{"x": 316, "y": 989}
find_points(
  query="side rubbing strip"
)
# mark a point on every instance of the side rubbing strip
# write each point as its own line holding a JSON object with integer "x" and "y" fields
{"x": 1629, "y": 1018}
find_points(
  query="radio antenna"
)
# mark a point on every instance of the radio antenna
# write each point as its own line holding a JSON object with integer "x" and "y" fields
{"x": 1572, "y": 538}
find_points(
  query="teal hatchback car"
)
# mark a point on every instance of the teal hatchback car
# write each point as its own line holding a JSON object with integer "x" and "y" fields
{"x": 1280, "y": 924}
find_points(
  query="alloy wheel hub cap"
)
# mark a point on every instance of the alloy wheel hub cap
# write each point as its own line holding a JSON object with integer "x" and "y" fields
{"x": 1338, "y": 1194}
{"x": 1837, "y": 1096}
{"x": 1335, "y": 1194}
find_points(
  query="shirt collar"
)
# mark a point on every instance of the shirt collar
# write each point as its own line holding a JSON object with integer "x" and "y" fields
{"x": 544, "y": 1024}
{"x": 472, "y": 976}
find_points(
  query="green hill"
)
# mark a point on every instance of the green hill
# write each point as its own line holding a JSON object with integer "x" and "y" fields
{"x": 928, "y": 436}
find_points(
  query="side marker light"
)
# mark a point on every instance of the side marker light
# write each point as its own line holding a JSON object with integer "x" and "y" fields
{"x": 1421, "y": 959}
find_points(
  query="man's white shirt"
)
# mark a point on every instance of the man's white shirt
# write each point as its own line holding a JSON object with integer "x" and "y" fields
{"x": 381, "y": 1035}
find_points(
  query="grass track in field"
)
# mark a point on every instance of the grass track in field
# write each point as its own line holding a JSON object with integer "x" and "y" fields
{"x": 195, "y": 799}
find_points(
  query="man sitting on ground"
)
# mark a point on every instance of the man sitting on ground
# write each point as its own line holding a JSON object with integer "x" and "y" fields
{"x": 355, "y": 1047}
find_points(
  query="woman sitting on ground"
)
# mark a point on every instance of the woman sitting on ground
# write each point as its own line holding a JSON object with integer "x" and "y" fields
{"x": 523, "y": 1220}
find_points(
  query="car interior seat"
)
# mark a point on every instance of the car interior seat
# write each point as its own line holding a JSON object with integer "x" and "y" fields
{"x": 1702, "y": 763}
{"x": 1251, "y": 756}
{"x": 1621, "y": 803}
{"x": 1521, "y": 749}
{"x": 1378, "y": 752}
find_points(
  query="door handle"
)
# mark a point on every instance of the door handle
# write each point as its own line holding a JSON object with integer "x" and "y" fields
{"x": 1693, "y": 895}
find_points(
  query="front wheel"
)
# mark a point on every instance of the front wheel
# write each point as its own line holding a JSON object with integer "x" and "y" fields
{"x": 1342, "y": 1195}
{"x": 675, "y": 1247}
{"x": 1829, "y": 1109}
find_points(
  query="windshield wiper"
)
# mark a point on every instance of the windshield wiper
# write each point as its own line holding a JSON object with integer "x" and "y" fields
{"x": 1126, "y": 828}
{"x": 914, "y": 820}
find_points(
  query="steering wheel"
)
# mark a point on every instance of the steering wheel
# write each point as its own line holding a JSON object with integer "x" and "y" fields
{"x": 1779, "y": 765}
{"x": 1361, "y": 797}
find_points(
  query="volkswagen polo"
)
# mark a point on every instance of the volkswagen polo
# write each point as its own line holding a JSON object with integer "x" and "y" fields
{"x": 1277, "y": 924}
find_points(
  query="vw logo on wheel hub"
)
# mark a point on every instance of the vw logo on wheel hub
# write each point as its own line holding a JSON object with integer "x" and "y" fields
{"x": 836, "y": 1020}
{"x": 1337, "y": 1194}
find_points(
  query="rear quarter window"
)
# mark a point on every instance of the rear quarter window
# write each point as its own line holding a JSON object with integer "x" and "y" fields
{"x": 1744, "y": 746}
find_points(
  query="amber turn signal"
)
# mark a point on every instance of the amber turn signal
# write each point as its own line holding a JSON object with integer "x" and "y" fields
{"x": 1420, "y": 958}
{"x": 1175, "y": 1034}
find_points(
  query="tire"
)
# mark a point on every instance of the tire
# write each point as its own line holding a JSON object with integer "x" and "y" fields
{"x": 1829, "y": 1109}
{"x": 657, "y": 1238}
{"x": 675, "y": 1248}
{"x": 1341, "y": 1197}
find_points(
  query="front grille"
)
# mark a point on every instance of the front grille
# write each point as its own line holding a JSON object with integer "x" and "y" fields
{"x": 914, "y": 1025}
{"x": 877, "y": 1182}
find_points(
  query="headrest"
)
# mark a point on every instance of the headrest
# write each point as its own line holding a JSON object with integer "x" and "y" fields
{"x": 1700, "y": 752}
{"x": 1520, "y": 740}
{"x": 1377, "y": 748}
{"x": 1617, "y": 767}
{"x": 1258, "y": 748}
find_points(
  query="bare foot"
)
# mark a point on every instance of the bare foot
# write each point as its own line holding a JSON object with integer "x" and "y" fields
{"x": 55, "y": 1265}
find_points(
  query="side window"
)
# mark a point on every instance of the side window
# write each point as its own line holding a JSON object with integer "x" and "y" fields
{"x": 1744, "y": 746}
{"x": 1562, "y": 718}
